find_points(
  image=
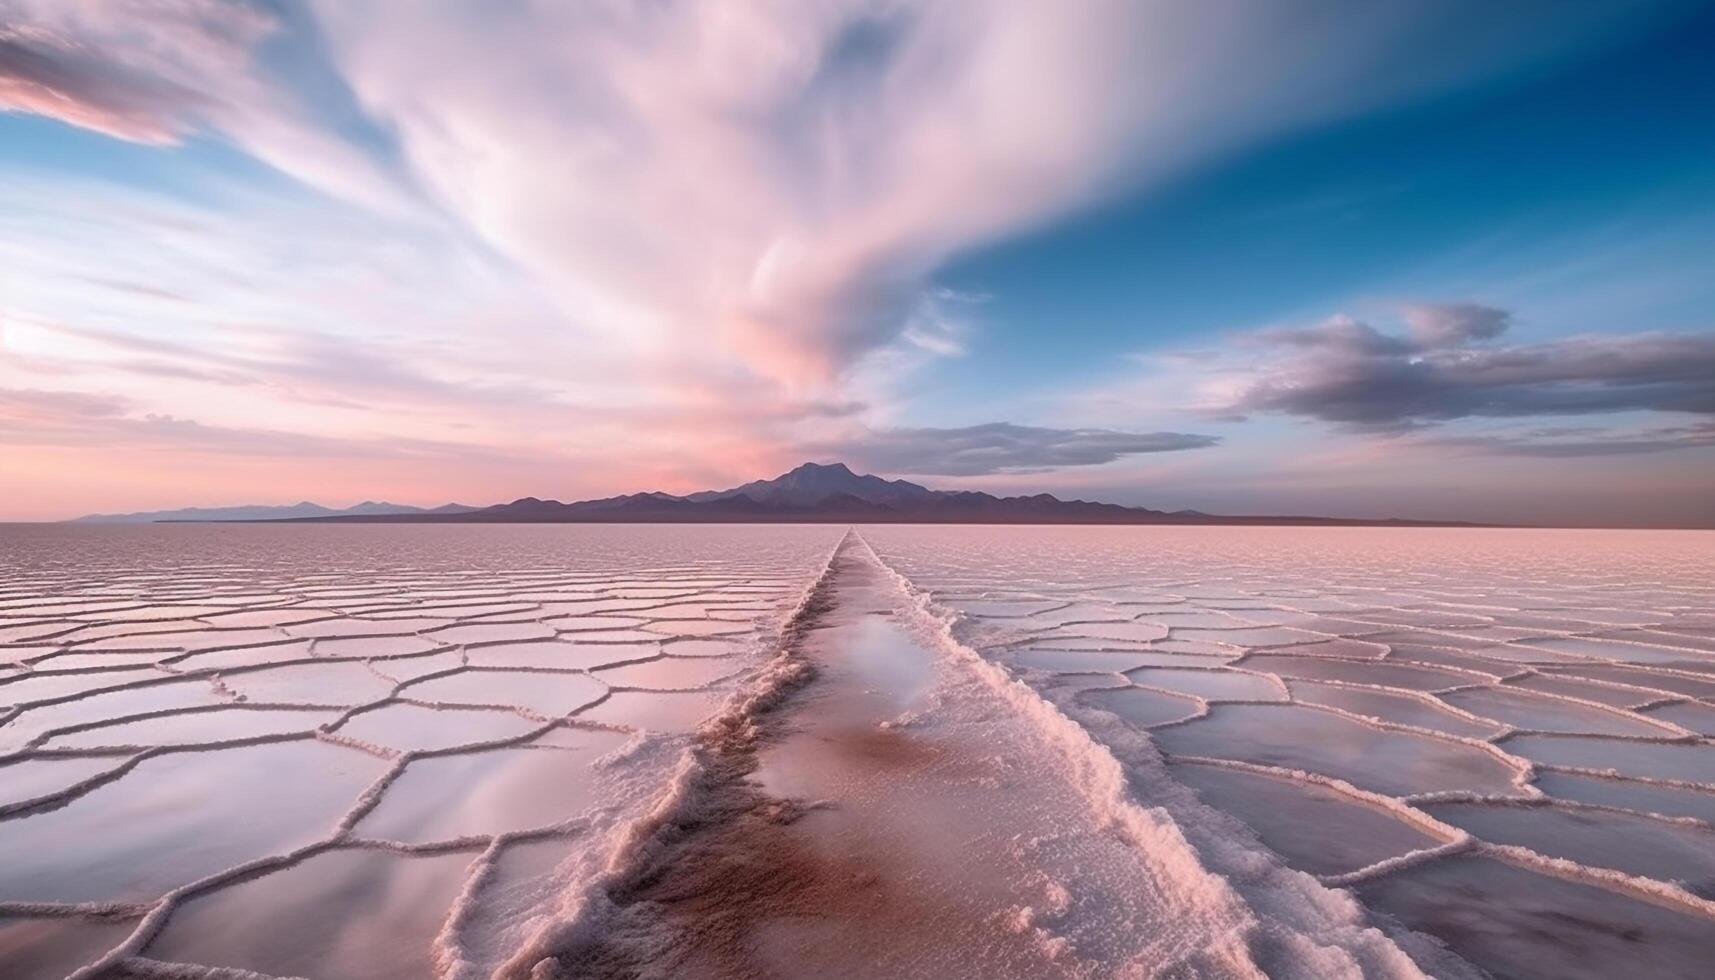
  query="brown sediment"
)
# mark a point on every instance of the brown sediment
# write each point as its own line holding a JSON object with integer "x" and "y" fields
{"x": 883, "y": 748}
{"x": 751, "y": 880}
{"x": 701, "y": 874}
{"x": 702, "y": 904}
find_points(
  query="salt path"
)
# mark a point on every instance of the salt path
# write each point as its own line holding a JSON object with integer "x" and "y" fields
{"x": 939, "y": 752}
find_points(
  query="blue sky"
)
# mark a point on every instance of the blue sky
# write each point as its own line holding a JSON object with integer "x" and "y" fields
{"x": 1593, "y": 164}
{"x": 1426, "y": 260}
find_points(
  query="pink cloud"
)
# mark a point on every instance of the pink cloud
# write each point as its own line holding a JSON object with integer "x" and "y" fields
{"x": 678, "y": 238}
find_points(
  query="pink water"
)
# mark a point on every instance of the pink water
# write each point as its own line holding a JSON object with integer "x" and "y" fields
{"x": 375, "y": 751}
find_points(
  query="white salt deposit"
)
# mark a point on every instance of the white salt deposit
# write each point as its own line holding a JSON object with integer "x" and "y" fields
{"x": 1458, "y": 683}
{"x": 495, "y": 752}
{"x": 287, "y": 724}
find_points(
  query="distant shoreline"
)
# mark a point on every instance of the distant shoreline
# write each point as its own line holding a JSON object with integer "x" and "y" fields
{"x": 812, "y": 493}
{"x": 1253, "y": 522}
{"x": 998, "y": 521}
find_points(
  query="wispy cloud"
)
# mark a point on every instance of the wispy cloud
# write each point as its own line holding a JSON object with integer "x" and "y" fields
{"x": 779, "y": 180}
{"x": 1577, "y": 442}
{"x": 701, "y": 235}
{"x": 298, "y": 365}
{"x": 768, "y": 184}
{"x": 74, "y": 419}
{"x": 161, "y": 71}
{"x": 22, "y": 405}
{"x": 998, "y": 447}
{"x": 74, "y": 62}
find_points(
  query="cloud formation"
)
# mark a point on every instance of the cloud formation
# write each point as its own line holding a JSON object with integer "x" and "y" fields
{"x": 779, "y": 179}
{"x": 998, "y": 447}
{"x": 67, "y": 418}
{"x": 161, "y": 71}
{"x": 672, "y": 240}
{"x": 763, "y": 186}
{"x": 26, "y": 404}
{"x": 1346, "y": 371}
{"x": 1436, "y": 326}
{"x": 1584, "y": 441}
{"x": 145, "y": 81}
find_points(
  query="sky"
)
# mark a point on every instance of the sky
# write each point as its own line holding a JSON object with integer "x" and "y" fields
{"x": 1437, "y": 260}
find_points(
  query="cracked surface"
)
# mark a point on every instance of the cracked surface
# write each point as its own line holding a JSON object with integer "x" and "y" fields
{"x": 375, "y": 752}
{"x": 1497, "y": 738}
{"x": 219, "y": 744}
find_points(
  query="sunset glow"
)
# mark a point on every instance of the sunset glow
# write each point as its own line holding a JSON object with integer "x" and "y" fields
{"x": 257, "y": 251}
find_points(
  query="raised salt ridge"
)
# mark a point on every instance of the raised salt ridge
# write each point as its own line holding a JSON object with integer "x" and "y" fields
{"x": 899, "y": 808}
{"x": 1491, "y": 738}
{"x": 477, "y": 752}
{"x": 348, "y": 753}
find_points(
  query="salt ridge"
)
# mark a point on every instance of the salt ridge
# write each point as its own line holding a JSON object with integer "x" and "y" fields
{"x": 747, "y": 601}
{"x": 1133, "y": 743}
{"x": 1298, "y": 927}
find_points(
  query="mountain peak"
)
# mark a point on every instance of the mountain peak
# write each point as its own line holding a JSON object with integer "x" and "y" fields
{"x": 840, "y": 469}
{"x": 819, "y": 492}
{"x": 808, "y": 484}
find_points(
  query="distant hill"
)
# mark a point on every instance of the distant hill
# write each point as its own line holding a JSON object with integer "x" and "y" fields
{"x": 831, "y": 492}
{"x": 811, "y": 484}
{"x": 272, "y": 512}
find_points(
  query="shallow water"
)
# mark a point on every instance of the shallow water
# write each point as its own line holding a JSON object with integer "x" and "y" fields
{"x": 1416, "y": 682}
{"x": 1630, "y": 794}
{"x": 29, "y": 779}
{"x": 1397, "y": 707}
{"x": 670, "y": 712}
{"x": 179, "y": 817}
{"x": 337, "y": 683}
{"x": 343, "y": 913}
{"x": 1549, "y": 714}
{"x": 1142, "y": 707}
{"x": 195, "y": 728}
{"x": 1686, "y": 761}
{"x": 1516, "y": 923}
{"x": 547, "y": 694}
{"x": 1295, "y": 737}
{"x": 1471, "y": 634}
{"x": 494, "y": 791}
{"x": 416, "y": 728}
{"x": 1316, "y": 829}
{"x": 670, "y": 673}
{"x": 344, "y": 617}
{"x": 906, "y": 819}
{"x": 1211, "y": 684}
{"x": 49, "y": 948}
{"x": 1597, "y": 838}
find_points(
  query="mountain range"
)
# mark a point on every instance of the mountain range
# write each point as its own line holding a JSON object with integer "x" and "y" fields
{"x": 813, "y": 492}
{"x": 270, "y": 512}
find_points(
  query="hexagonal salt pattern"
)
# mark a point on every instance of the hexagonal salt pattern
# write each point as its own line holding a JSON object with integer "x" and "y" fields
{"x": 344, "y": 729}
{"x": 1467, "y": 727}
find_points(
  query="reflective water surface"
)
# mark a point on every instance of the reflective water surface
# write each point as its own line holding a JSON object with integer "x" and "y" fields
{"x": 1497, "y": 738}
{"x": 395, "y": 751}
{"x": 258, "y": 728}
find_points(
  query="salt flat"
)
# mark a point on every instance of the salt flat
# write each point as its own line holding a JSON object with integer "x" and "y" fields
{"x": 1491, "y": 737}
{"x": 375, "y": 752}
{"x": 335, "y": 752}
